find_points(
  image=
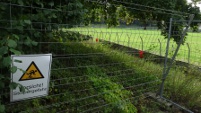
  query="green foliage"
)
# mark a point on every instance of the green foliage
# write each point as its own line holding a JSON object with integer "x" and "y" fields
{"x": 70, "y": 36}
{"x": 112, "y": 93}
{"x": 112, "y": 13}
{"x": 176, "y": 31}
{"x": 21, "y": 28}
{"x": 2, "y": 108}
{"x": 13, "y": 85}
{"x": 7, "y": 47}
{"x": 195, "y": 28}
{"x": 108, "y": 13}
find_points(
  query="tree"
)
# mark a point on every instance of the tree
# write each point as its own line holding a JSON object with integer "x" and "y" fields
{"x": 195, "y": 2}
{"x": 176, "y": 9}
{"x": 196, "y": 11}
{"x": 108, "y": 11}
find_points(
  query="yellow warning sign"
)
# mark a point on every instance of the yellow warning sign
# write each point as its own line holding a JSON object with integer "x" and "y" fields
{"x": 31, "y": 73}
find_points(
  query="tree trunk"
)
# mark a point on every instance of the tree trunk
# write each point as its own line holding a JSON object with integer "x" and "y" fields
{"x": 145, "y": 25}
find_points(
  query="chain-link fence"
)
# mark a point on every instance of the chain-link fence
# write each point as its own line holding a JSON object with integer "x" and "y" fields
{"x": 150, "y": 40}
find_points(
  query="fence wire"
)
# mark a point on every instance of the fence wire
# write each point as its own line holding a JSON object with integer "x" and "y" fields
{"x": 73, "y": 91}
{"x": 97, "y": 69}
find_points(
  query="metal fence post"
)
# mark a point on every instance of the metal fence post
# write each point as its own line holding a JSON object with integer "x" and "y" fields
{"x": 166, "y": 58}
{"x": 174, "y": 56}
{"x": 87, "y": 31}
{"x": 101, "y": 35}
{"x": 189, "y": 53}
{"x": 104, "y": 37}
{"x": 128, "y": 40}
{"x": 117, "y": 35}
{"x": 93, "y": 33}
{"x": 142, "y": 43}
{"x": 160, "y": 46}
{"x": 109, "y": 37}
{"x": 97, "y": 34}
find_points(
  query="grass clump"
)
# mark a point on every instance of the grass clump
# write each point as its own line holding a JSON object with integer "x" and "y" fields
{"x": 185, "y": 90}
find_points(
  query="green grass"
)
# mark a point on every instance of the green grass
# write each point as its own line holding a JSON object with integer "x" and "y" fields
{"x": 133, "y": 37}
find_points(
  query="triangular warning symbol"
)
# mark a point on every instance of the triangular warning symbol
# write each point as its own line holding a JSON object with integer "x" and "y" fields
{"x": 31, "y": 73}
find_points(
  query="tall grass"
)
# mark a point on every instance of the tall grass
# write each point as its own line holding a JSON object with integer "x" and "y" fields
{"x": 184, "y": 89}
{"x": 182, "y": 85}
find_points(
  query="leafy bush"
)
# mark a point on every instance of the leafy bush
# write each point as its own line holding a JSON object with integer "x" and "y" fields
{"x": 70, "y": 36}
{"x": 111, "y": 92}
{"x": 25, "y": 22}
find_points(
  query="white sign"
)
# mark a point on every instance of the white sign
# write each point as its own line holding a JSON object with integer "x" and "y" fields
{"x": 33, "y": 73}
